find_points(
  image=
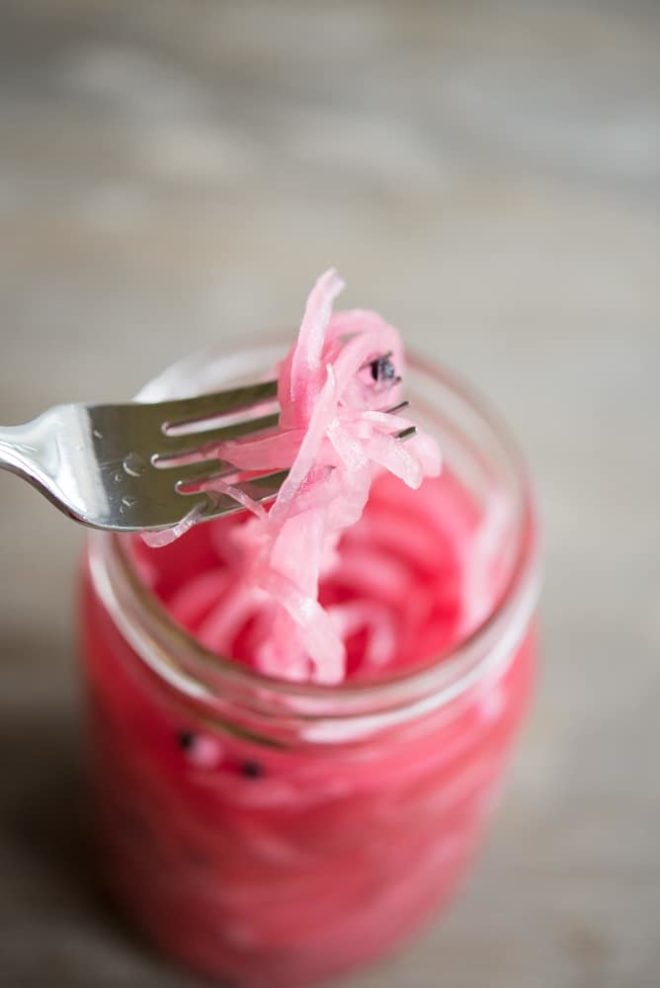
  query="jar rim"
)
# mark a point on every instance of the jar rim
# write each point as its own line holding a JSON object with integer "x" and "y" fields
{"x": 146, "y": 623}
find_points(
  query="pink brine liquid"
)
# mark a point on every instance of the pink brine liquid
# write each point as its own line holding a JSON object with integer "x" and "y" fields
{"x": 274, "y": 832}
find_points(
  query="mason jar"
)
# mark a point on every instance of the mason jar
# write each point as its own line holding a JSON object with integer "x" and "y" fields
{"x": 270, "y": 833}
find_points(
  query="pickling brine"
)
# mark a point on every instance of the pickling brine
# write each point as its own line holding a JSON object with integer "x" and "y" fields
{"x": 300, "y": 716}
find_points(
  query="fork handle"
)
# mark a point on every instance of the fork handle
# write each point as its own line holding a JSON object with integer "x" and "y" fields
{"x": 16, "y": 447}
{"x": 22, "y": 447}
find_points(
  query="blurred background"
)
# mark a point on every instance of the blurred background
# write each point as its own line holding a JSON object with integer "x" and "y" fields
{"x": 486, "y": 174}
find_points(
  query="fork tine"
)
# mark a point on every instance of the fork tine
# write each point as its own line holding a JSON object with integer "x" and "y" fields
{"x": 259, "y": 489}
{"x": 189, "y": 410}
{"x": 192, "y": 442}
{"x": 198, "y": 472}
{"x": 213, "y": 504}
{"x": 196, "y": 442}
{"x": 406, "y": 433}
{"x": 264, "y": 488}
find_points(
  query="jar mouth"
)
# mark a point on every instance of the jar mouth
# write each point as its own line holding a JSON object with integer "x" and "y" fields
{"x": 204, "y": 676}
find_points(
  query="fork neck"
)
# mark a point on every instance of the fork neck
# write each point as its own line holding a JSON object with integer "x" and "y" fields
{"x": 18, "y": 447}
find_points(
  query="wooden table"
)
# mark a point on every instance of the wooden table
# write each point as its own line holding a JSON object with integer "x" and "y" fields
{"x": 486, "y": 175}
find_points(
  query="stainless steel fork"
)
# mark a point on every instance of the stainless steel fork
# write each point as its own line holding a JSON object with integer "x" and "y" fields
{"x": 138, "y": 467}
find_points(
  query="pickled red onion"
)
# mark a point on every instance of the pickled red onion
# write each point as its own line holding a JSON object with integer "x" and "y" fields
{"x": 335, "y": 439}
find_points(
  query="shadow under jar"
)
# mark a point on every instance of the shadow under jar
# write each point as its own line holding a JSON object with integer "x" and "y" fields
{"x": 272, "y": 834}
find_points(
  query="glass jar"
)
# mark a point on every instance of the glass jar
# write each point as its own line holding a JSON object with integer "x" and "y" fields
{"x": 272, "y": 834}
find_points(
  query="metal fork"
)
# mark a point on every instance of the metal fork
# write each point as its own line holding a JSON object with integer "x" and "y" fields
{"x": 139, "y": 467}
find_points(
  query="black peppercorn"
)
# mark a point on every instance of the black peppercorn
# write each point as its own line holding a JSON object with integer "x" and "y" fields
{"x": 252, "y": 769}
{"x": 382, "y": 368}
{"x": 186, "y": 740}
